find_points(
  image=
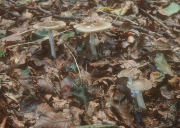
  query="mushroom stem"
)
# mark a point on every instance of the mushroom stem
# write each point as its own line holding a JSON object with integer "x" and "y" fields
{"x": 140, "y": 99}
{"x": 51, "y": 42}
{"x": 92, "y": 44}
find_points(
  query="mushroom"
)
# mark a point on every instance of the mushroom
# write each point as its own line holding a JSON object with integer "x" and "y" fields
{"x": 49, "y": 26}
{"x": 136, "y": 87}
{"x": 91, "y": 28}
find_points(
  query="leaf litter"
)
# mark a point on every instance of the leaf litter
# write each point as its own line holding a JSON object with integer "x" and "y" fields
{"x": 77, "y": 89}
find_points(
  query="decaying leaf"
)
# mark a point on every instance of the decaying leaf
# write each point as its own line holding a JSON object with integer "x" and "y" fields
{"x": 166, "y": 93}
{"x": 122, "y": 11}
{"x": 162, "y": 65}
{"x": 124, "y": 112}
{"x": 76, "y": 89}
{"x": 92, "y": 108}
{"x": 97, "y": 126}
{"x": 53, "y": 120}
{"x": 12, "y": 38}
{"x": 77, "y": 113}
{"x": 156, "y": 77}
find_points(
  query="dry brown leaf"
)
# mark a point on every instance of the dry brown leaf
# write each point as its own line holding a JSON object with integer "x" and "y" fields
{"x": 53, "y": 120}
{"x": 43, "y": 108}
{"x": 60, "y": 104}
{"x": 166, "y": 93}
{"x": 19, "y": 58}
{"x": 92, "y": 108}
{"x": 174, "y": 81}
{"x": 17, "y": 123}
{"x": 45, "y": 85}
{"x": 3, "y": 123}
{"x": 77, "y": 113}
{"x": 128, "y": 64}
{"x": 5, "y": 23}
{"x": 156, "y": 77}
{"x": 12, "y": 38}
{"x": 166, "y": 115}
{"x": 99, "y": 63}
{"x": 123, "y": 111}
{"x": 104, "y": 80}
{"x": 86, "y": 76}
{"x": 161, "y": 44}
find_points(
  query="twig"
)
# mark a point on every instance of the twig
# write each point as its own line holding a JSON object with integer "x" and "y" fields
{"x": 80, "y": 75}
{"x": 57, "y": 16}
{"x": 159, "y": 22}
{"x": 121, "y": 17}
{"x": 139, "y": 28}
{"x": 26, "y": 31}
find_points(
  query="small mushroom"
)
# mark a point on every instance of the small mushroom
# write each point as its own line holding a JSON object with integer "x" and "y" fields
{"x": 91, "y": 28}
{"x": 136, "y": 87}
{"x": 49, "y": 26}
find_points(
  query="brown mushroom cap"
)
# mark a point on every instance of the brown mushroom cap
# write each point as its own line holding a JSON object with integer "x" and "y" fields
{"x": 133, "y": 73}
{"x": 93, "y": 27}
{"x": 51, "y": 25}
{"x": 140, "y": 84}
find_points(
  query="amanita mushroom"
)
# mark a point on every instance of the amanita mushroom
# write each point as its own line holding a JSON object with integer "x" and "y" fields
{"x": 91, "y": 28}
{"x": 49, "y": 26}
{"x": 136, "y": 87}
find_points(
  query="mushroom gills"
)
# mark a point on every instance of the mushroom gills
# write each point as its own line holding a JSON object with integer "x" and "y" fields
{"x": 92, "y": 44}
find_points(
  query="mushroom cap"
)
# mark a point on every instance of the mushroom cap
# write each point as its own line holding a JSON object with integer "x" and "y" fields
{"x": 140, "y": 84}
{"x": 91, "y": 27}
{"x": 51, "y": 25}
{"x": 133, "y": 73}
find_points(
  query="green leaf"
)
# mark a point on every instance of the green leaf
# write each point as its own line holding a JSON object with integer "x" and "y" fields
{"x": 172, "y": 8}
{"x": 80, "y": 92}
{"x": 23, "y": 2}
{"x": 97, "y": 126}
{"x": 1, "y": 53}
{"x": 71, "y": 1}
{"x": 2, "y": 35}
{"x": 71, "y": 68}
{"x": 67, "y": 35}
{"x": 162, "y": 65}
{"x": 41, "y": 33}
{"x": 80, "y": 47}
{"x": 26, "y": 71}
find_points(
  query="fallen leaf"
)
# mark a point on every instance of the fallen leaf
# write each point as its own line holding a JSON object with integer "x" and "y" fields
{"x": 172, "y": 8}
{"x": 12, "y": 38}
{"x": 53, "y": 120}
{"x": 77, "y": 113}
{"x": 162, "y": 65}
{"x": 92, "y": 108}
{"x": 166, "y": 93}
{"x": 156, "y": 77}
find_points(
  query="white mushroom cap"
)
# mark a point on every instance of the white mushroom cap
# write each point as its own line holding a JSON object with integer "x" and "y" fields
{"x": 140, "y": 85}
{"x": 51, "y": 25}
{"x": 93, "y": 27}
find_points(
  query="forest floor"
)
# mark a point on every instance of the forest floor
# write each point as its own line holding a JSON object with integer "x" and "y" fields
{"x": 84, "y": 79}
